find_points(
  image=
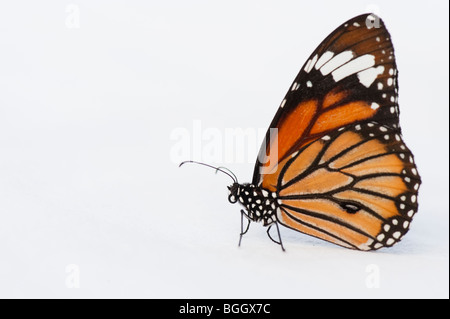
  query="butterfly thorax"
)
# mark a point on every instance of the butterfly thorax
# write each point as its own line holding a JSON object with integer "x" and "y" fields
{"x": 260, "y": 204}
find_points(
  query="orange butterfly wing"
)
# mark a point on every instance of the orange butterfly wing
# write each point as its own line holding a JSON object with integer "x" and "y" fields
{"x": 351, "y": 77}
{"x": 334, "y": 152}
{"x": 356, "y": 187}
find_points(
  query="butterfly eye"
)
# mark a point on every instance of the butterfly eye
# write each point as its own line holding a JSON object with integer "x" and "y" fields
{"x": 350, "y": 208}
{"x": 232, "y": 198}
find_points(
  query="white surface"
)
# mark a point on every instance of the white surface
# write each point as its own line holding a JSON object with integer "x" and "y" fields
{"x": 87, "y": 174}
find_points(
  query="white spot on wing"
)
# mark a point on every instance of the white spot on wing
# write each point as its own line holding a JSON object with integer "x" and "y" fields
{"x": 311, "y": 64}
{"x": 360, "y": 63}
{"x": 367, "y": 77}
{"x": 336, "y": 62}
{"x": 308, "y": 64}
{"x": 323, "y": 59}
{"x": 374, "y": 106}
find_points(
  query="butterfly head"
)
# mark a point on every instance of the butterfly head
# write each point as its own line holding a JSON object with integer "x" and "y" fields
{"x": 234, "y": 191}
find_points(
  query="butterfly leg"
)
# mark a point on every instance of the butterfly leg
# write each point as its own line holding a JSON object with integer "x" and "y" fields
{"x": 242, "y": 226}
{"x": 279, "y": 236}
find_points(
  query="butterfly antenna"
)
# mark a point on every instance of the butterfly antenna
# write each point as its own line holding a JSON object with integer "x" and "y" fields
{"x": 228, "y": 170}
{"x": 218, "y": 169}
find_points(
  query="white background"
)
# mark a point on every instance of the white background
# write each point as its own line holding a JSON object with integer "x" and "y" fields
{"x": 87, "y": 172}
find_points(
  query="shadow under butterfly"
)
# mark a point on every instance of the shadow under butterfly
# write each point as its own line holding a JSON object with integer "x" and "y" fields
{"x": 333, "y": 164}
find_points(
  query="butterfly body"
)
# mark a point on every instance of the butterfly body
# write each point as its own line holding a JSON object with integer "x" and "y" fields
{"x": 260, "y": 204}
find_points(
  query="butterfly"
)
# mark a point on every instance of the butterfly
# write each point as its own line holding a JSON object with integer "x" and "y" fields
{"x": 333, "y": 164}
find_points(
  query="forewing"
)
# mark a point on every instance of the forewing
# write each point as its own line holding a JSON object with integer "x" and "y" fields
{"x": 350, "y": 78}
